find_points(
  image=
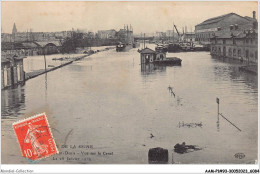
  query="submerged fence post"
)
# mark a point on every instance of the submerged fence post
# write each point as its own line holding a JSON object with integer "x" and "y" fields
{"x": 217, "y": 100}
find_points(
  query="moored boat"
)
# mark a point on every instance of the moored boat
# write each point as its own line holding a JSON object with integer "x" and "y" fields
{"x": 123, "y": 47}
{"x": 169, "y": 61}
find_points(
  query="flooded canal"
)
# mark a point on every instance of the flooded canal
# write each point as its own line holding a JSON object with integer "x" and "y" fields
{"x": 111, "y": 102}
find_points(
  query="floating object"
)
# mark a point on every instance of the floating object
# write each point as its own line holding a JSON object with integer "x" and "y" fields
{"x": 158, "y": 155}
{"x": 151, "y": 136}
{"x": 169, "y": 61}
{"x": 183, "y": 148}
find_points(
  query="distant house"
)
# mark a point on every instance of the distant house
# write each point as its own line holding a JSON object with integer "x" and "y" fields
{"x": 12, "y": 72}
{"x": 106, "y": 34}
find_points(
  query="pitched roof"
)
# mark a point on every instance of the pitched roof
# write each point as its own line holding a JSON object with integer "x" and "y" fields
{"x": 147, "y": 51}
{"x": 219, "y": 18}
{"x": 215, "y": 19}
{"x": 250, "y": 19}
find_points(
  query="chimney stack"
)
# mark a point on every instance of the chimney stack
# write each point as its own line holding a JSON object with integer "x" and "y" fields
{"x": 254, "y": 14}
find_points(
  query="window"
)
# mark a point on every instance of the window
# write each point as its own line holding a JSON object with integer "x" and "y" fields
{"x": 224, "y": 41}
{"x": 161, "y": 57}
{"x": 234, "y": 41}
{"x": 247, "y": 54}
{"x": 230, "y": 52}
{"x": 234, "y": 52}
{"x": 239, "y": 52}
{"x": 18, "y": 73}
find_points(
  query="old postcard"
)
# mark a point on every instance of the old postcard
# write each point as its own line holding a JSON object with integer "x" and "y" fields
{"x": 129, "y": 82}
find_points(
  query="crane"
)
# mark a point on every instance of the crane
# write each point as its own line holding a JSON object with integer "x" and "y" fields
{"x": 176, "y": 30}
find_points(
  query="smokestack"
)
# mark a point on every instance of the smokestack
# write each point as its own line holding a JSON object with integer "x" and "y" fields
{"x": 254, "y": 14}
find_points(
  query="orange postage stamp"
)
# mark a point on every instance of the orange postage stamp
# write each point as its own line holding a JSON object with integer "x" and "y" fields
{"x": 35, "y": 137}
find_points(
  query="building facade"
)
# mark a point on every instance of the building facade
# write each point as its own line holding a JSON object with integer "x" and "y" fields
{"x": 242, "y": 46}
{"x": 12, "y": 71}
{"x": 189, "y": 37}
{"x": 106, "y": 34}
{"x": 222, "y": 24}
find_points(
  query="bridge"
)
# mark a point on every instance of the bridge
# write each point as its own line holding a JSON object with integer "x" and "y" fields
{"x": 142, "y": 38}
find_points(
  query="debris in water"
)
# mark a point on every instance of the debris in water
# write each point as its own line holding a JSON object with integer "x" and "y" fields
{"x": 151, "y": 136}
{"x": 183, "y": 148}
{"x": 171, "y": 91}
{"x": 190, "y": 125}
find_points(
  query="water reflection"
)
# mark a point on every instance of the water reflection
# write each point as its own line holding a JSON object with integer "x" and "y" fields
{"x": 150, "y": 68}
{"x": 12, "y": 102}
{"x": 228, "y": 69}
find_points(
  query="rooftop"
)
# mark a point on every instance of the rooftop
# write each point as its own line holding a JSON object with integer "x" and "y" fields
{"x": 147, "y": 51}
{"x": 215, "y": 19}
{"x": 219, "y": 18}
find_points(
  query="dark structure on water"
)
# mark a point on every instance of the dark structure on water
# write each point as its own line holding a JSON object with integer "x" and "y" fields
{"x": 12, "y": 72}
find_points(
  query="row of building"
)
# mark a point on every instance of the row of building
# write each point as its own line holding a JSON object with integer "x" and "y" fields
{"x": 27, "y": 36}
{"x": 123, "y": 35}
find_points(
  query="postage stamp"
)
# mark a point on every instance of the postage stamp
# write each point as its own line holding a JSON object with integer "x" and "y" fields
{"x": 35, "y": 137}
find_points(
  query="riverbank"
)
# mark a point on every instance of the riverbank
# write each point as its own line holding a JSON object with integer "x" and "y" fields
{"x": 253, "y": 69}
{"x": 36, "y": 73}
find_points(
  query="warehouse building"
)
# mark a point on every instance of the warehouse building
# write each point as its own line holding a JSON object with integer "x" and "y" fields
{"x": 223, "y": 24}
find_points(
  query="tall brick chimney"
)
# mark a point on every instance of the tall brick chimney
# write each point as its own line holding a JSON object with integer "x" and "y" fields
{"x": 254, "y": 14}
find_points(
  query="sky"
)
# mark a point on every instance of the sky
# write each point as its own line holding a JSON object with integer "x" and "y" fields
{"x": 145, "y": 17}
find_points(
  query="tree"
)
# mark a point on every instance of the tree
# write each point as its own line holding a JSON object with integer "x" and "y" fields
{"x": 71, "y": 43}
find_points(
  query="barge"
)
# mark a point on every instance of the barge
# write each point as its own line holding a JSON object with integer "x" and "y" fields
{"x": 123, "y": 47}
{"x": 173, "y": 61}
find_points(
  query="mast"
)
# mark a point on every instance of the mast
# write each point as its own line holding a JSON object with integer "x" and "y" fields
{"x": 144, "y": 40}
{"x": 173, "y": 33}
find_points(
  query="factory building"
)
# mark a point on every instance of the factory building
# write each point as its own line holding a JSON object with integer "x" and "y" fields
{"x": 223, "y": 24}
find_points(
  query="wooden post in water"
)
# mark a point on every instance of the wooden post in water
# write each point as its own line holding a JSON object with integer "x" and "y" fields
{"x": 217, "y": 100}
{"x": 44, "y": 58}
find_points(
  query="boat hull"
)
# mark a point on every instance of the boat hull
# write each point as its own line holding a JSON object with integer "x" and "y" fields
{"x": 169, "y": 61}
{"x": 124, "y": 48}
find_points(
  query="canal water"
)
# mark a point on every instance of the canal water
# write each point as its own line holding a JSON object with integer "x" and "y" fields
{"x": 111, "y": 102}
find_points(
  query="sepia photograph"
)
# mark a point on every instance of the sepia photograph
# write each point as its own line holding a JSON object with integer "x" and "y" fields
{"x": 129, "y": 82}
